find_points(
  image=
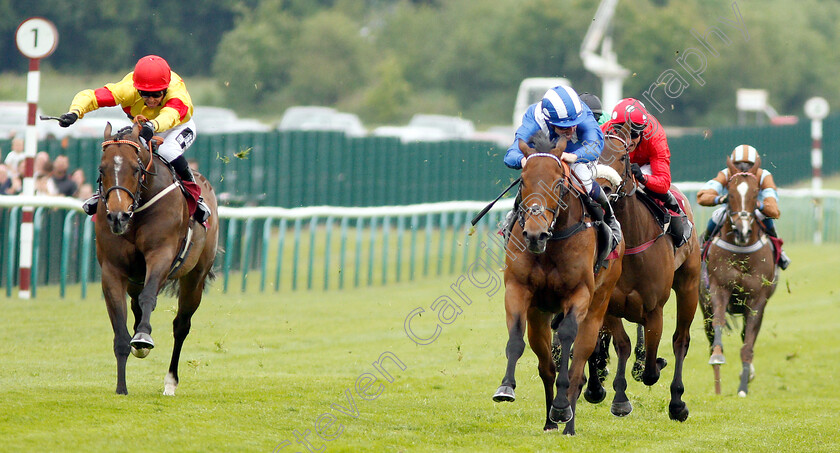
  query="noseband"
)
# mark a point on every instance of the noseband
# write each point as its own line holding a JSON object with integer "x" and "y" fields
{"x": 537, "y": 209}
{"x": 135, "y": 196}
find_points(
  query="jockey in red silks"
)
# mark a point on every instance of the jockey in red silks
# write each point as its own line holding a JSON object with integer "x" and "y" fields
{"x": 650, "y": 159}
{"x": 152, "y": 91}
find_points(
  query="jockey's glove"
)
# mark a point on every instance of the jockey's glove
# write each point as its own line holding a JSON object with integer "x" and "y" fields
{"x": 67, "y": 119}
{"x": 147, "y": 131}
{"x": 721, "y": 199}
{"x": 637, "y": 173}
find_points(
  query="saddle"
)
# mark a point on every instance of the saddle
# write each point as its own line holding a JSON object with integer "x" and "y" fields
{"x": 664, "y": 217}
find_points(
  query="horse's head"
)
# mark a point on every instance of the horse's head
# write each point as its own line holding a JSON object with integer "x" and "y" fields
{"x": 545, "y": 184}
{"x": 742, "y": 201}
{"x": 614, "y": 164}
{"x": 121, "y": 175}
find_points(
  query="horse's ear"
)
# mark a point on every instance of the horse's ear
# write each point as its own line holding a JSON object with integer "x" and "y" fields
{"x": 731, "y": 166}
{"x": 756, "y": 166}
{"x": 135, "y": 131}
{"x": 526, "y": 150}
{"x": 108, "y": 130}
{"x": 560, "y": 146}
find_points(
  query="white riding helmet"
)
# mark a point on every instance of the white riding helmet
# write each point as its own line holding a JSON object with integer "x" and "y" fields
{"x": 745, "y": 153}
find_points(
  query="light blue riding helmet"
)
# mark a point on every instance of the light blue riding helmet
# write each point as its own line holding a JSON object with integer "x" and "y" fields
{"x": 561, "y": 107}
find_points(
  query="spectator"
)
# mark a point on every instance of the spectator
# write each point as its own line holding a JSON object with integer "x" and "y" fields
{"x": 15, "y": 157}
{"x": 42, "y": 164}
{"x": 5, "y": 180}
{"x": 61, "y": 181}
{"x": 42, "y": 184}
{"x": 85, "y": 191}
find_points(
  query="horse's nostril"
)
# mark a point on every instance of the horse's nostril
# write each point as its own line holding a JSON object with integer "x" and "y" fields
{"x": 543, "y": 236}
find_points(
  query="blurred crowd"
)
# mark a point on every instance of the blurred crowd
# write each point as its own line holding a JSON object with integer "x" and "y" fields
{"x": 52, "y": 177}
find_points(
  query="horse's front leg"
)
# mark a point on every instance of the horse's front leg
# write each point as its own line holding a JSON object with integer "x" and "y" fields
{"x": 752, "y": 324}
{"x": 585, "y": 341}
{"x": 720, "y": 299}
{"x": 561, "y": 410}
{"x": 157, "y": 268}
{"x": 686, "y": 286}
{"x": 113, "y": 289}
{"x": 516, "y": 309}
{"x": 539, "y": 337}
{"x": 653, "y": 334}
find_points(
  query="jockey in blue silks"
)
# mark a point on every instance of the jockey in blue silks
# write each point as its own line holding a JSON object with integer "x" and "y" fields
{"x": 562, "y": 113}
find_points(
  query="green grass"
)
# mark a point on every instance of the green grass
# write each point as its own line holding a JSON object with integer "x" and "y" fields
{"x": 256, "y": 368}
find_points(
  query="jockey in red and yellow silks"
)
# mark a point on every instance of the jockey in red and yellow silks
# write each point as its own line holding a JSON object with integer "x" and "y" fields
{"x": 155, "y": 93}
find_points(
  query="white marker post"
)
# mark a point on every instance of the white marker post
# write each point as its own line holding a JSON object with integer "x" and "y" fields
{"x": 36, "y": 38}
{"x": 817, "y": 109}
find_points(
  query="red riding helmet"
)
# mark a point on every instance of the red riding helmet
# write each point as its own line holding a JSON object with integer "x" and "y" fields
{"x": 632, "y": 111}
{"x": 151, "y": 73}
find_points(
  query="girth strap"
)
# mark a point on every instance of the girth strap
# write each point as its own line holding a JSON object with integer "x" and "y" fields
{"x": 570, "y": 231}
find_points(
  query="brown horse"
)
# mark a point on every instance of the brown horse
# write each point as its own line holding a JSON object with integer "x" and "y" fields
{"x": 741, "y": 274}
{"x": 144, "y": 239}
{"x": 550, "y": 270}
{"x": 651, "y": 268}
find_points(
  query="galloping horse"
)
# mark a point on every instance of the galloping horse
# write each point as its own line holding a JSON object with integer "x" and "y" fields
{"x": 550, "y": 270}
{"x": 741, "y": 274}
{"x": 651, "y": 268}
{"x": 145, "y": 239}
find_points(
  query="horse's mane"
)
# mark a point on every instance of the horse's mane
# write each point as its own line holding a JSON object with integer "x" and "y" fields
{"x": 120, "y": 134}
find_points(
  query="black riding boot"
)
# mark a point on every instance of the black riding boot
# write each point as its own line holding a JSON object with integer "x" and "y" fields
{"x": 511, "y": 216}
{"x": 680, "y": 227}
{"x": 784, "y": 261}
{"x": 202, "y": 211}
{"x": 89, "y": 205}
{"x": 609, "y": 216}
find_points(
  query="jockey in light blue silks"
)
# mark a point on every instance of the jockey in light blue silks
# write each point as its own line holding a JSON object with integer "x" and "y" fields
{"x": 561, "y": 113}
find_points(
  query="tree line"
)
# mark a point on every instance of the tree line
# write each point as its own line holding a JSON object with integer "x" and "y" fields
{"x": 386, "y": 59}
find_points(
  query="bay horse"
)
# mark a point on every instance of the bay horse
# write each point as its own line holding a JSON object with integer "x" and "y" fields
{"x": 651, "y": 268}
{"x": 549, "y": 273}
{"x": 740, "y": 272}
{"x": 145, "y": 240}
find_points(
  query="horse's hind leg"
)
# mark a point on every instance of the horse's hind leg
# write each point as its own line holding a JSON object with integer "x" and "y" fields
{"x": 752, "y": 324}
{"x": 653, "y": 334}
{"x": 595, "y": 391}
{"x": 189, "y": 298}
{"x": 539, "y": 337}
{"x": 620, "y": 404}
{"x": 639, "y": 351}
{"x": 113, "y": 288}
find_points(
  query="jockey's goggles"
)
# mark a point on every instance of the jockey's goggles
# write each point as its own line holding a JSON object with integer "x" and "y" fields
{"x": 152, "y": 94}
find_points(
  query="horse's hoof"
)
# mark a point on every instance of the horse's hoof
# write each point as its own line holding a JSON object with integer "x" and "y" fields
{"x": 678, "y": 412}
{"x": 742, "y": 393}
{"x": 661, "y": 363}
{"x": 504, "y": 393}
{"x": 142, "y": 340}
{"x": 561, "y": 415}
{"x": 595, "y": 396}
{"x": 717, "y": 359}
{"x": 549, "y": 426}
{"x": 140, "y": 353}
{"x": 621, "y": 409}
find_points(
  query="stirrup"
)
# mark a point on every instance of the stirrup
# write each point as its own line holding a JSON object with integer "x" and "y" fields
{"x": 89, "y": 205}
{"x": 784, "y": 261}
{"x": 202, "y": 211}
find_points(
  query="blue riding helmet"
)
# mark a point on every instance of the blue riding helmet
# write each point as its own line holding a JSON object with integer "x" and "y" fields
{"x": 562, "y": 107}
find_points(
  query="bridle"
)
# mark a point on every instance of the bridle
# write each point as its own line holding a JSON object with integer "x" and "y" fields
{"x": 625, "y": 175}
{"x": 742, "y": 215}
{"x": 538, "y": 209}
{"x": 144, "y": 170}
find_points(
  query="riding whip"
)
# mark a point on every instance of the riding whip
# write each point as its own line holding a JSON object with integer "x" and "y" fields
{"x": 487, "y": 208}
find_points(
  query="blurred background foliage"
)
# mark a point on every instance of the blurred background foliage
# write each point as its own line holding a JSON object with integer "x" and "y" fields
{"x": 388, "y": 59}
